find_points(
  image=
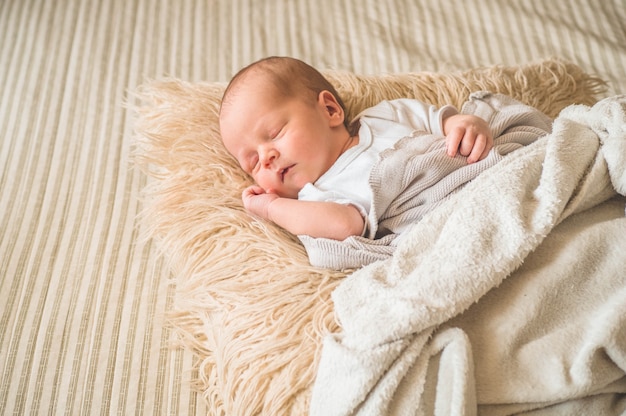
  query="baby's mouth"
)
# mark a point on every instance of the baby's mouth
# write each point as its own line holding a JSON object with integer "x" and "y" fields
{"x": 284, "y": 171}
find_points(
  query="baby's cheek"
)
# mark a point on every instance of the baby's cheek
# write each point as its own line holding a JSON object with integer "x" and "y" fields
{"x": 264, "y": 181}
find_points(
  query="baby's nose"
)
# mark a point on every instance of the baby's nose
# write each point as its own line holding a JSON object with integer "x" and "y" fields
{"x": 267, "y": 156}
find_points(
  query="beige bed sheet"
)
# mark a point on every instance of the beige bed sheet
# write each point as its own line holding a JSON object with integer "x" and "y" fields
{"x": 82, "y": 298}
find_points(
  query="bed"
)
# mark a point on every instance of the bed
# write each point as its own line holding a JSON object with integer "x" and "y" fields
{"x": 132, "y": 281}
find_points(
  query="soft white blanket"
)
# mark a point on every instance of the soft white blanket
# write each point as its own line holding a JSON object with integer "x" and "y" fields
{"x": 501, "y": 300}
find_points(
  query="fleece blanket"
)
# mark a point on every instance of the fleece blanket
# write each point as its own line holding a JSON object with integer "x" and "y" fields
{"x": 510, "y": 297}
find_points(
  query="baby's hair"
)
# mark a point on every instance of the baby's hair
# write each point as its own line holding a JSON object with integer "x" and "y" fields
{"x": 291, "y": 77}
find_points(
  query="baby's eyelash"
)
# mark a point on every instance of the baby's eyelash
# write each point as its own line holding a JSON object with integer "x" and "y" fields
{"x": 275, "y": 134}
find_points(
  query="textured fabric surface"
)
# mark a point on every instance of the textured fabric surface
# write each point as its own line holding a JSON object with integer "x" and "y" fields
{"x": 83, "y": 299}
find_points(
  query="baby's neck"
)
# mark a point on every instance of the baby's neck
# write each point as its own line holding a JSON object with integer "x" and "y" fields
{"x": 350, "y": 142}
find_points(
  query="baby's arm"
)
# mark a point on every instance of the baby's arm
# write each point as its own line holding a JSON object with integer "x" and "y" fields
{"x": 313, "y": 218}
{"x": 469, "y": 135}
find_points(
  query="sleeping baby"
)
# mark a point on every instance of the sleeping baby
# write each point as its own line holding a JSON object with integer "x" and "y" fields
{"x": 349, "y": 189}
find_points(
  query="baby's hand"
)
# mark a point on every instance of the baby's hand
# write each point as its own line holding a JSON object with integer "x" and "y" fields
{"x": 469, "y": 135}
{"x": 257, "y": 201}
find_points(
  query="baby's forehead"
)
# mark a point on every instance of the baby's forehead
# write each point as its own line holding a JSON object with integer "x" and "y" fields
{"x": 242, "y": 106}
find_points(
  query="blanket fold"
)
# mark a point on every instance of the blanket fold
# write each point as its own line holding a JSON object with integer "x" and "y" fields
{"x": 488, "y": 238}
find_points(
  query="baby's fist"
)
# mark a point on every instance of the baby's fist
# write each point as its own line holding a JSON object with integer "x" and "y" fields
{"x": 257, "y": 201}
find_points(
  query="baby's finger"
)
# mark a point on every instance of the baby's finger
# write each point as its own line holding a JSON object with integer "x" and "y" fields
{"x": 479, "y": 146}
{"x": 253, "y": 190}
{"x": 453, "y": 139}
{"x": 467, "y": 144}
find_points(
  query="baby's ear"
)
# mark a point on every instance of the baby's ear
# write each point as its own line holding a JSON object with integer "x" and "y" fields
{"x": 329, "y": 102}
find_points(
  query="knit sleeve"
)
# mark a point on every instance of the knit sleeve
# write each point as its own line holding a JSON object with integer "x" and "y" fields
{"x": 351, "y": 253}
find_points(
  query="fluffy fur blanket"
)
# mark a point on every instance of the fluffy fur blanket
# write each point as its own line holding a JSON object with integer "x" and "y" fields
{"x": 466, "y": 316}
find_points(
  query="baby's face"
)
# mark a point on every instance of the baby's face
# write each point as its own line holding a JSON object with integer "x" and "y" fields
{"x": 282, "y": 143}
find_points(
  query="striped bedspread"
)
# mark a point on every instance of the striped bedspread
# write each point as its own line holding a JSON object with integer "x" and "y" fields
{"x": 83, "y": 299}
